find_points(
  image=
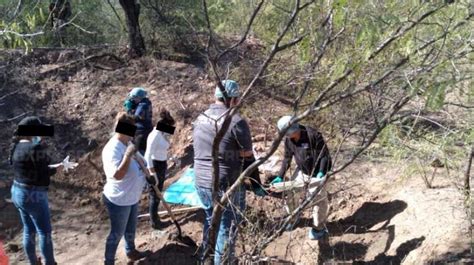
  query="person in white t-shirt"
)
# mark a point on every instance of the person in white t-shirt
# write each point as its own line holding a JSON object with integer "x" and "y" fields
{"x": 156, "y": 155}
{"x": 123, "y": 188}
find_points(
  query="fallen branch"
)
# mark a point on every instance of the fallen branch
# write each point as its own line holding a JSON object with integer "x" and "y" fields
{"x": 165, "y": 213}
{"x": 89, "y": 58}
{"x": 7, "y": 95}
{"x": 16, "y": 117}
{"x": 96, "y": 167}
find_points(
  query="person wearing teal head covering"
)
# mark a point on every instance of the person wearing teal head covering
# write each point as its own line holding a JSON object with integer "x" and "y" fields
{"x": 138, "y": 105}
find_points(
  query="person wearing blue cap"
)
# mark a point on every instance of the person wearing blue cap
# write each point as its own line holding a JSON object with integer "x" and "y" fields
{"x": 313, "y": 160}
{"x": 235, "y": 155}
{"x": 138, "y": 105}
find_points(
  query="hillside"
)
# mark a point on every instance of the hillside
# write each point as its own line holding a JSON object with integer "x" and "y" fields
{"x": 377, "y": 216}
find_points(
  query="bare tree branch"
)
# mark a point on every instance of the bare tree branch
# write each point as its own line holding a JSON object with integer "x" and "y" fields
{"x": 246, "y": 32}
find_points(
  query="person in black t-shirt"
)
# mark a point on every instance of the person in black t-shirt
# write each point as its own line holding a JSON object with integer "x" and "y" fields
{"x": 313, "y": 162}
{"x": 30, "y": 162}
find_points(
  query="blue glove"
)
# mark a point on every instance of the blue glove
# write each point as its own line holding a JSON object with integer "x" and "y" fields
{"x": 278, "y": 179}
{"x": 320, "y": 175}
{"x": 260, "y": 192}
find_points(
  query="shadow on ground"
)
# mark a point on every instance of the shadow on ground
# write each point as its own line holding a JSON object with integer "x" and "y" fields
{"x": 172, "y": 253}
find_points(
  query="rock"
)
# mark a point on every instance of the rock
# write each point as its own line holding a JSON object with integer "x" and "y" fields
{"x": 259, "y": 137}
{"x": 13, "y": 248}
{"x": 85, "y": 202}
{"x": 437, "y": 163}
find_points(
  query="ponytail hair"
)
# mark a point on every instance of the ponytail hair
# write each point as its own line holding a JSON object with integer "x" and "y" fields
{"x": 166, "y": 117}
{"x": 14, "y": 142}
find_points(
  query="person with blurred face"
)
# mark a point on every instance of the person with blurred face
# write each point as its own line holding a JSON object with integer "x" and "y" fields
{"x": 123, "y": 188}
{"x": 139, "y": 106}
{"x": 156, "y": 155}
{"x": 30, "y": 160}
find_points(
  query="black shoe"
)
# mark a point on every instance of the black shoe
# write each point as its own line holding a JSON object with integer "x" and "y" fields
{"x": 138, "y": 255}
{"x": 158, "y": 224}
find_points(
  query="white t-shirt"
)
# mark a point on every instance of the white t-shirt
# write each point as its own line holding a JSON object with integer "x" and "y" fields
{"x": 128, "y": 190}
{"x": 157, "y": 146}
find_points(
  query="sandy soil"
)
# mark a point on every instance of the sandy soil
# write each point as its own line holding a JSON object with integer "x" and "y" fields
{"x": 376, "y": 217}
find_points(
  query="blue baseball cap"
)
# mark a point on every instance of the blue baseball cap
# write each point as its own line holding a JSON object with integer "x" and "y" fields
{"x": 231, "y": 88}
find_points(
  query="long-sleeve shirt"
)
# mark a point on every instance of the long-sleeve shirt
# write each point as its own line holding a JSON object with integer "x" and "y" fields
{"x": 311, "y": 153}
{"x": 157, "y": 146}
{"x": 143, "y": 114}
{"x": 30, "y": 164}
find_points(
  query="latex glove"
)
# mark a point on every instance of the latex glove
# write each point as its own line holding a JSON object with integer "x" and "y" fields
{"x": 152, "y": 179}
{"x": 68, "y": 165}
{"x": 320, "y": 175}
{"x": 260, "y": 192}
{"x": 277, "y": 179}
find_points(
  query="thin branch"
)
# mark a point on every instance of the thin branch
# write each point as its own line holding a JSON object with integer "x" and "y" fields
{"x": 117, "y": 15}
{"x": 246, "y": 32}
{"x": 460, "y": 105}
{"x": 16, "y": 117}
{"x": 24, "y": 35}
{"x": 7, "y": 95}
{"x": 400, "y": 32}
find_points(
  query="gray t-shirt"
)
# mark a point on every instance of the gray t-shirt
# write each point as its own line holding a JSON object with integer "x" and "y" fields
{"x": 236, "y": 139}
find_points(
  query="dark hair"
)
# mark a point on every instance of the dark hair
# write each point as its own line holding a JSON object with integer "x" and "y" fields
{"x": 125, "y": 118}
{"x": 166, "y": 117}
{"x": 30, "y": 120}
{"x": 14, "y": 142}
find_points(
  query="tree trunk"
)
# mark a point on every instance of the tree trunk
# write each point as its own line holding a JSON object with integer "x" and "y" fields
{"x": 135, "y": 40}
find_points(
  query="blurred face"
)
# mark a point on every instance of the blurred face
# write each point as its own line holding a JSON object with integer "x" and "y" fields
{"x": 295, "y": 136}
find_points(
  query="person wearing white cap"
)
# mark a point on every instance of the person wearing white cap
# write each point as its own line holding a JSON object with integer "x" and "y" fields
{"x": 312, "y": 158}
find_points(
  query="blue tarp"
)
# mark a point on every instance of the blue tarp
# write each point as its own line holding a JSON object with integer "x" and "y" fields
{"x": 183, "y": 190}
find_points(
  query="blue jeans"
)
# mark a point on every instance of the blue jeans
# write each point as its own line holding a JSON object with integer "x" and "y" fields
{"x": 123, "y": 222}
{"x": 225, "y": 245}
{"x": 32, "y": 203}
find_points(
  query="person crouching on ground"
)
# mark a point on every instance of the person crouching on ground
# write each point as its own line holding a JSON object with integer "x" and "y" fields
{"x": 30, "y": 161}
{"x": 156, "y": 155}
{"x": 123, "y": 188}
{"x": 313, "y": 160}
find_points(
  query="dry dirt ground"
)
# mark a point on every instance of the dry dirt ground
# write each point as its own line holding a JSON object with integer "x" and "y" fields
{"x": 376, "y": 217}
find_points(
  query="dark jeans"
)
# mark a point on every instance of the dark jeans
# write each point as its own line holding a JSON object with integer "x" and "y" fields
{"x": 230, "y": 220}
{"x": 123, "y": 223}
{"x": 32, "y": 203}
{"x": 140, "y": 140}
{"x": 154, "y": 201}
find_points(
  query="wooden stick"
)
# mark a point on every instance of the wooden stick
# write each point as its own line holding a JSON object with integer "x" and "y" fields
{"x": 165, "y": 213}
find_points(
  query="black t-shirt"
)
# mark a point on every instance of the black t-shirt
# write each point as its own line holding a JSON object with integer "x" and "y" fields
{"x": 30, "y": 164}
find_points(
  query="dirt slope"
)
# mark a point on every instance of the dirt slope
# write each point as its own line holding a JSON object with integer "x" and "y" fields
{"x": 376, "y": 217}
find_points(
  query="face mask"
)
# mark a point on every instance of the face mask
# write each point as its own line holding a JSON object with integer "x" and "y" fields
{"x": 36, "y": 139}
